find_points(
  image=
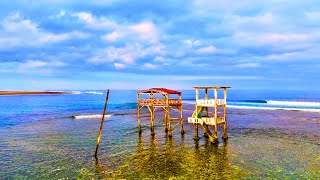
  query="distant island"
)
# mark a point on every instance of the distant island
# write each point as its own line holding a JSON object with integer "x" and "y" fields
{"x": 31, "y": 92}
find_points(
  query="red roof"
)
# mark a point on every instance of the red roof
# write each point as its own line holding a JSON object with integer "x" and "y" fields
{"x": 160, "y": 90}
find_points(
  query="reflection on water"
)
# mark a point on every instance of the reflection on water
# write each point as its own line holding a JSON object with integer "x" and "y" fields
{"x": 162, "y": 160}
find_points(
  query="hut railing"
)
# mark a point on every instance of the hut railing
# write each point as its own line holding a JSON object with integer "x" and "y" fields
{"x": 210, "y": 102}
{"x": 208, "y": 121}
{"x": 159, "y": 102}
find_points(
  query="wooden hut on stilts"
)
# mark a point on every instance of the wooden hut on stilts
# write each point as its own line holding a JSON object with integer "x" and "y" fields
{"x": 160, "y": 98}
{"x": 216, "y": 118}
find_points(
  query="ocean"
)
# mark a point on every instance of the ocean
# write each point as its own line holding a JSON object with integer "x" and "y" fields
{"x": 272, "y": 134}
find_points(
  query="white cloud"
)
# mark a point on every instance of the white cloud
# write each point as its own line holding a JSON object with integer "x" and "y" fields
{"x": 189, "y": 78}
{"x": 20, "y": 32}
{"x": 149, "y": 66}
{"x": 96, "y": 23}
{"x": 283, "y": 56}
{"x": 206, "y": 50}
{"x": 61, "y": 13}
{"x": 143, "y": 32}
{"x": 119, "y": 66}
{"x": 263, "y": 19}
{"x": 112, "y": 37}
{"x": 127, "y": 54}
{"x": 248, "y": 65}
{"x": 146, "y": 31}
{"x": 313, "y": 16}
{"x": 159, "y": 59}
{"x": 261, "y": 39}
{"x": 32, "y": 64}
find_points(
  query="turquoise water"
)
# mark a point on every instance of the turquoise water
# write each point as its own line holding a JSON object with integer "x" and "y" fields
{"x": 40, "y": 139}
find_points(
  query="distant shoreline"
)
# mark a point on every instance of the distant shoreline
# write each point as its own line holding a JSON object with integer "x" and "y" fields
{"x": 31, "y": 92}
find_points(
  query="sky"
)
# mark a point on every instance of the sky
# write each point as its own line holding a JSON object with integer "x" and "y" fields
{"x": 122, "y": 44}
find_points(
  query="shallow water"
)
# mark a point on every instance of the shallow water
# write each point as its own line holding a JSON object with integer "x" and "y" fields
{"x": 262, "y": 144}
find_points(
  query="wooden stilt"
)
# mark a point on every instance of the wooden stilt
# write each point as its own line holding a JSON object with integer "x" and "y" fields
{"x": 181, "y": 121}
{"x": 169, "y": 123}
{"x": 207, "y": 112}
{"x": 225, "y": 133}
{"x": 196, "y": 132}
{"x": 181, "y": 117}
{"x": 215, "y": 136}
{"x": 152, "y": 114}
{"x": 165, "y": 120}
{"x": 139, "y": 110}
{"x": 101, "y": 125}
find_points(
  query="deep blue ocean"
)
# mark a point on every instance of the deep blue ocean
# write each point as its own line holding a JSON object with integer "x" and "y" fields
{"x": 20, "y": 109}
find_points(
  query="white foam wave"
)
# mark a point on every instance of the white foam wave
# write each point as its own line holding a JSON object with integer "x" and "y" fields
{"x": 76, "y": 92}
{"x": 294, "y": 103}
{"x": 93, "y": 92}
{"x": 91, "y": 116}
{"x": 273, "y": 108}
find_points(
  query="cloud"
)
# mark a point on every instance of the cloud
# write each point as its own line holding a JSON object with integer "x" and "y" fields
{"x": 119, "y": 66}
{"x": 112, "y": 37}
{"x": 127, "y": 54}
{"x": 95, "y": 23}
{"x": 194, "y": 37}
{"x": 159, "y": 59}
{"x": 32, "y": 64}
{"x": 149, "y": 66}
{"x": 20, "y": 32}
{"x": 248, "y": 65}
{"x": 313, "y": 16}
{"x": 143, "y": 32}
{"x": 283, "y": 56}
{"x": 146, "y": 31}
{"x": 189, "y": 78}
{"x": 207, "y": 50}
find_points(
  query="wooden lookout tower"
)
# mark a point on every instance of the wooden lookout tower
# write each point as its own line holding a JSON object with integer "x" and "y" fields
{"x": 159, "y": 98}
{"x": 210, "y": 119}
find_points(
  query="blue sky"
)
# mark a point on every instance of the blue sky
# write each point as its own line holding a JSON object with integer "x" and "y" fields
{"x": 121, "y": 44}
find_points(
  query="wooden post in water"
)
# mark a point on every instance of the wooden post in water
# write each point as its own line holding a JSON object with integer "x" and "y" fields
{"x": 225, "y": 135}
{"x": 207, "y": 112}
{"x": 101, "y": 125}
{"x": 196, "y": 126}
{"x": 215, "y": 135}
{"x": 139, "y": 110}
{"x": 181, "y": 117}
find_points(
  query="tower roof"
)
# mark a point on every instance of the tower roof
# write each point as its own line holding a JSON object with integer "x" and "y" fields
{"x": 160, "y": 91}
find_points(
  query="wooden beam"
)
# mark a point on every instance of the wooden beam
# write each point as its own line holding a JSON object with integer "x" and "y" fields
{"x": 101, "y": 125}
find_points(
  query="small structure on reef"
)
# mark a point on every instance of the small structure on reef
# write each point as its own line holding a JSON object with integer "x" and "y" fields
{"x": 159, "y": 98}
{"x": 216, "y": 118}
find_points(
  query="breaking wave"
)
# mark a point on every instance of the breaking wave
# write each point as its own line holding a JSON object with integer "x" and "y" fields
{"x": 93, "y": 92}
{"x": 91, "y": 116}
{"x": 271, "y": 105}
{"x": 295, "y": 103}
